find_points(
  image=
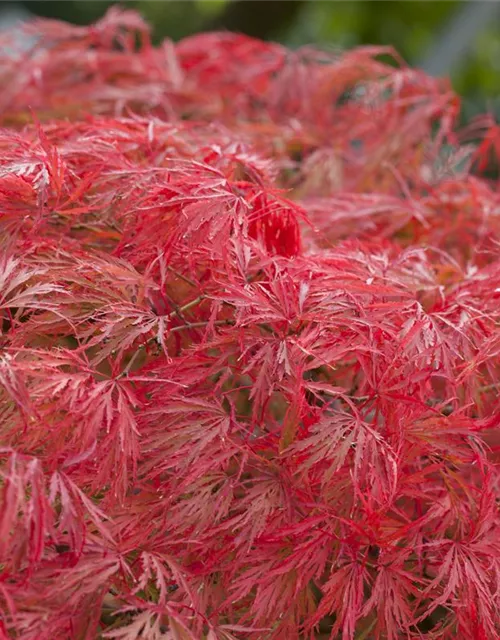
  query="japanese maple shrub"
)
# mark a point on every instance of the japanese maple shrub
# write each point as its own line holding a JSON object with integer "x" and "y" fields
{"x": 250, "y": 344}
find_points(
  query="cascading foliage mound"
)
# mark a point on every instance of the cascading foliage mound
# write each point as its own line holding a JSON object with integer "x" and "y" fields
{"x": 250, "y": 343}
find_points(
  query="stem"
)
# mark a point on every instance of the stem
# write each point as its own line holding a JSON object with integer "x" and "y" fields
{"x": 187, "y": 306}
{"x": 489, "y": 387}
{"x": 176, "y": 308}
{"x": 182, "y": 277}
{"x": 368, "y": 630}
{"x": 129, "y": 365}
{"x": 196, "y": 325}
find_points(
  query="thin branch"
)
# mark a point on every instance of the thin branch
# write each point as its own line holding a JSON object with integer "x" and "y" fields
{"x": 197, "y": 325}
{"x": 187, "y": 306}
{"x": 181, "y": 276}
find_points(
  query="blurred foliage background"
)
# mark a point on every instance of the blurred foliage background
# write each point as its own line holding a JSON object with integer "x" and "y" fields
{"x": 458, "y": 39}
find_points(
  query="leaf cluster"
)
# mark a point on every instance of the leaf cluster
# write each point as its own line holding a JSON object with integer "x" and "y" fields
{"x": 249, "y": 346}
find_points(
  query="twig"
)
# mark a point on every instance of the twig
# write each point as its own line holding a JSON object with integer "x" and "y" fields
{"x": 182, "y": 277}
{"x": 196, "y": 325}
{"x": 187, "y": 306}
{"x": 489, "y": 387}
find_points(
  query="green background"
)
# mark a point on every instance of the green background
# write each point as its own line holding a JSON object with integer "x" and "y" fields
{"x": 414, "y": 28}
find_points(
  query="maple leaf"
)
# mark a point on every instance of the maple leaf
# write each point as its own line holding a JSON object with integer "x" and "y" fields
{"x": 249, "y": 343}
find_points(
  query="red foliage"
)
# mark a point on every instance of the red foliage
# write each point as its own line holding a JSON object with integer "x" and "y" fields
{"x": 250, "y": 345}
